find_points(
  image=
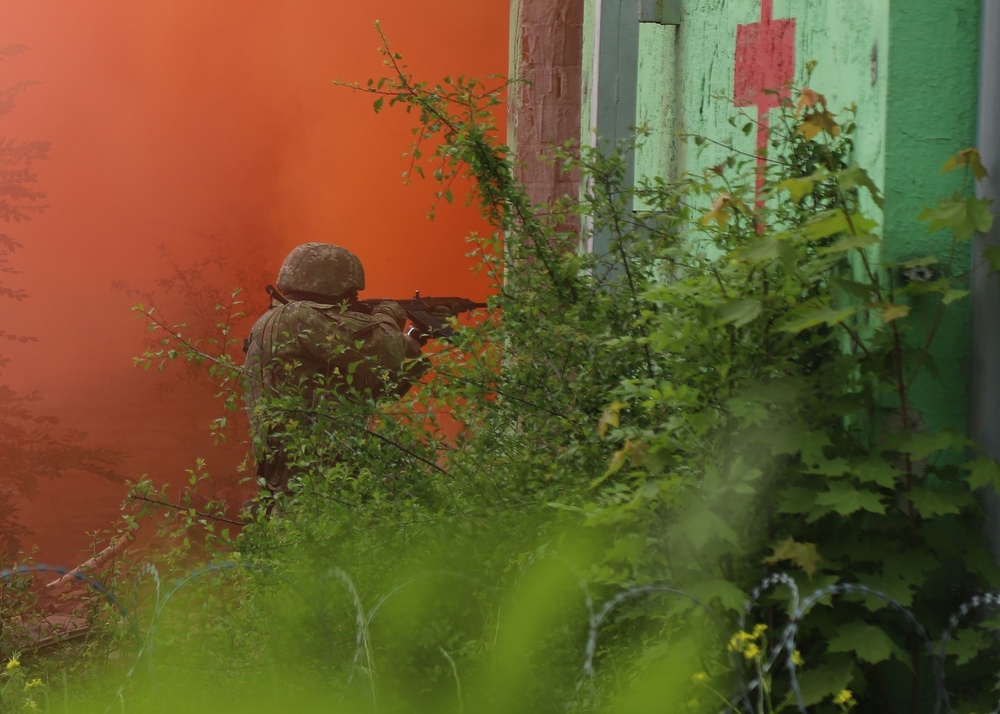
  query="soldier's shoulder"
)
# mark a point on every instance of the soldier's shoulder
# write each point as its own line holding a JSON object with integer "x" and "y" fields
{"x": 317, "y": 314}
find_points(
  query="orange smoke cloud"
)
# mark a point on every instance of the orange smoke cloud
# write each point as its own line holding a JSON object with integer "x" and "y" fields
{"x": 191, "y": 133}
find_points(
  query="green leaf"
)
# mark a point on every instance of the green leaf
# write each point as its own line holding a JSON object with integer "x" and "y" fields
{"x": 861, "y": 290}
{"x": 614, "y": 466}
{"x": 860, "y": 223}
{"x": 797, "y": 500}
{"x": 832, "y": 222}
{"x": 739, "y": 312}
{"x": 953, "y": 295}
{"x": 758, "y": 250}
{"x": 930, "y": 503}
{"x": 966, "y": 645}
{"x": 881, "y": 473}
{"x": 797, "y": 188}
{"x": 983, "y": 472}
{"x": 893, "y": 582}
{"x": 962, "y": 216}
{"x": 825, "y": 225}
{"x": 845, "y": 499}
{"x": 816, "y": 684}
{"x": 868, "y": 642}
{"x": 726, "y": 593}
{"x": 992, "y": 256}
{"x": 702, "y": 526}
{"x": 856, "y": 176}
{"x": 852, "y": 242}
{"x": 811, "y": 314}
{"x": 920, "y": 444}
{"x": 831, "y": 467}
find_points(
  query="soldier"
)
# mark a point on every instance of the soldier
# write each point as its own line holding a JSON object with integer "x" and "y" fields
{"x": 314, "y": 353}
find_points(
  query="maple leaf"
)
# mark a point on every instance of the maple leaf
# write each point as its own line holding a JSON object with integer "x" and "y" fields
{"x": 966, "y": 157}
{"x": 868, "y": 642}
{"x": 890, "y": 311}
{"x": 804, "y": 555}
{"x": 962, "y": 215}
{"x": 722, "y": 208}
{"x": 809, "y": 99}
{"x": 610, "y": 417}
{"x": 816, "y": 121}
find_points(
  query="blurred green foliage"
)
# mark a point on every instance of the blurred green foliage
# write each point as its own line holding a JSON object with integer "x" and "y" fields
{"x": 571, "y": 513}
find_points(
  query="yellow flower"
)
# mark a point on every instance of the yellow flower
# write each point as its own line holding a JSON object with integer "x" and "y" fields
{"x": 33, "y": 683}
{"x": 30, "y": 704}
{"x": 746, "y": 642}
{"x": 699, "y": 677}
{"x": 738, "y": 641}
{"x": 14, "y": 663}
{"x": 797, "y": 659}
{"x": 844, "y": 698}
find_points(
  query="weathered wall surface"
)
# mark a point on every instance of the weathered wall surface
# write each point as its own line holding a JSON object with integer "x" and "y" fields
{"x": 657, "y": 100}
{"x": 842, "y": 36}
{"x": 544, "y": 108}
{"x": 849, "y": 40}
{"x": 931, "y": 113}
{"x": 908, "y": 66}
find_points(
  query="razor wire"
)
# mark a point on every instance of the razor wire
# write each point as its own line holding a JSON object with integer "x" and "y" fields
{"x": 783, "y": 650}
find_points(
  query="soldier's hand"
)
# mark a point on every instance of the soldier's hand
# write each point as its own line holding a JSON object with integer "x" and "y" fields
{"x": 412, "y": 346}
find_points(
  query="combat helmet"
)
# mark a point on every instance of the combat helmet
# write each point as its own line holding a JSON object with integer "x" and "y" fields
{"x": 322, "y": 270}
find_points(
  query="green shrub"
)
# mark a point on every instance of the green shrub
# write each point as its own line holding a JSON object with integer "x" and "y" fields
{"x": 724, "y": 391}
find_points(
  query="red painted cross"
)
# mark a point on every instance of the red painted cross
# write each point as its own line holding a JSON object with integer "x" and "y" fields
{"x": 765, "y": 60}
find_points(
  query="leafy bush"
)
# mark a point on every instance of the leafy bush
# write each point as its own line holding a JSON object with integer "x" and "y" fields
{"x": 725, "y": 390}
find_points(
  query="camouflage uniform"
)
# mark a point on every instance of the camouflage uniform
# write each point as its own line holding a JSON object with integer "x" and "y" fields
{"x": 318, "y": 350}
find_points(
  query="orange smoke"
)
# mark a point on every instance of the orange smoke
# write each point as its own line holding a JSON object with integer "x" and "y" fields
{"x": 198, "y": 142}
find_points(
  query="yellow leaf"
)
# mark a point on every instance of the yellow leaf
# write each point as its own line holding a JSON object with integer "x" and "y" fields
{"x": 809, "y": 99}
{"x": 722, "y": 208}
{"x": 610, "y": 417}
{"x": 892, "y": 311}
{"x": 638, "y": 453}
{"x": 966, "y": 157}
{"x": 816, "y": 121}
{"x": 634, "y": 452}
{"x": 797, "y": 187}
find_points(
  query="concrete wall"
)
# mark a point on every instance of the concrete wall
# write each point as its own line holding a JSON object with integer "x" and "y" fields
{"x": 931, "y": 112}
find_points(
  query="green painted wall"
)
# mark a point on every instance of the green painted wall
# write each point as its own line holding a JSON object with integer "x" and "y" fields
{"x": 849, "y": 40}
{"x": 706, "y": 55}
{"x": 840, "y": 35}
{"x": 656, "y": 108}
{"x": 910, "y": 66}
{"x": 933, "y": 76}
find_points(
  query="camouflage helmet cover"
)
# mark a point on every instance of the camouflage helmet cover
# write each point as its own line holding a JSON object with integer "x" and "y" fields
{"x": 321, "y": 269}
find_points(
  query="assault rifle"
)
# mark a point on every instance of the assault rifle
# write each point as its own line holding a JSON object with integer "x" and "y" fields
{"x": 428, "y": 314}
